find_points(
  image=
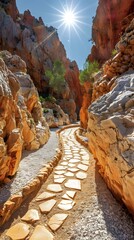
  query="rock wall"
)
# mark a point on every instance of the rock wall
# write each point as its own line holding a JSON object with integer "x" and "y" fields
{"x": 107, "y": 27}
{"x": 120, "y": 63}
{"x": 22, "y": 124}
{"x": 111, "y": 138}
{"x": 111, "y": 120}
{"x": 86, "y": 101}
{"x": 38, "y": 45}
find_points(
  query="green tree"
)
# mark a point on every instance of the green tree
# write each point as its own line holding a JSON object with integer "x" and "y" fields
{"x": 89, "y": 69}
{"x": 56, "y": 76}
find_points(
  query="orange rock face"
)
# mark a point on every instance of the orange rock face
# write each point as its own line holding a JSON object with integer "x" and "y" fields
{"x": 72, "y": 78}
{"x": 107, "y": 26}
{"x": 21, "y": 121}
{"x": 87, "y": 97}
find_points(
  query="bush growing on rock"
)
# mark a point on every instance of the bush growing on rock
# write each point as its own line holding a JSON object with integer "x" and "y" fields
{"x": 89, "y": 70}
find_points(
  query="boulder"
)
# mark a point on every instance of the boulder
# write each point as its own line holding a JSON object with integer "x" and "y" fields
{"x": 54, "y": 115}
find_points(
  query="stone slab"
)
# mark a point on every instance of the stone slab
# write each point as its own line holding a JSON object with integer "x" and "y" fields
{"x": 66, "y": 204}
{"x": 85, "y": 162}
{"x": 60, "y": 168}
{"x": 74, "y": 161}
{"x": 45, "y": 196}
{"x": 59, "y": 172}
{"x": 57, "y": 220}
{"x": 46, "y": 207}
{"x": 58, "y": 176}
{"x": 41, "y": 233}
{"x": 31, "y": 216}
{"x": 73, "y": 170}
{"x": 69, "y": 174}
{"x": 83, "y": 167}
{"x": 18, "y": 232}
{"x": 81, "y": 175}
{"x": 54, "y": 188}
{"x": 65, "y": 196}
{"x": 73, "y": 184}
{"x": 71, "y": 165}
{"x": 71, "y": 194}
{"x": 64, "y": 163}
{"x": 59, "y": 180}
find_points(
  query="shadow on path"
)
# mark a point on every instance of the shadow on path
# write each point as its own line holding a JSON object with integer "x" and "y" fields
{"x": 117, "y": 219}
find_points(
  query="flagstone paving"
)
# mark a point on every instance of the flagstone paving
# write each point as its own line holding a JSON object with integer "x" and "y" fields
{"x": 61, "y": 200}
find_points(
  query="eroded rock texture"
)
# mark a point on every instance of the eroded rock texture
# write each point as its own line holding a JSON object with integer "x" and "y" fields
{"x": 86, "y": 101}
{"x": 107, "y": 26}
{"x": 22, "y": 124}
{"x": 120, "y": 63}
{"x": 111, "y": 138}
{"x": 39, "y": 46}
{"x": 54, "y": 115}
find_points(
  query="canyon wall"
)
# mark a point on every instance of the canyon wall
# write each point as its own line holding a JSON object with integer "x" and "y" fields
{"x": 39, "y": 46}
{"x": 111, "y": 120}
{"x": 107, "y": 27}
{"x": 22, "y": 125}
{"x": 111, "y": 138}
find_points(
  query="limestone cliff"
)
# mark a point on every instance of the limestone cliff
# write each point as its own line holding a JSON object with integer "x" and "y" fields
{"x": 111, "y": 120}
{"x": 39, "y": 46}
{"x": 22, "y": 124}
{"x": 111, "y": 138}
{"x": 107, "y": 27}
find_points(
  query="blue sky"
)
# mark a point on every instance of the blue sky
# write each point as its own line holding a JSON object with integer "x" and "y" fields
{"x": 77, "y": 45}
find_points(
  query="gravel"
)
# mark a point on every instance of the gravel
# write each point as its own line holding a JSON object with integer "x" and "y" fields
{"x": 31, "y": 163}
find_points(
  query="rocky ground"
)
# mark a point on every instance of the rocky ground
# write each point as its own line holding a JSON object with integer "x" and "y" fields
{"x": 95, "y": 215}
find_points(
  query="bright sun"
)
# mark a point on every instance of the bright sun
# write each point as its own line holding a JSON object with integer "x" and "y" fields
{"x": 69, "y": 18}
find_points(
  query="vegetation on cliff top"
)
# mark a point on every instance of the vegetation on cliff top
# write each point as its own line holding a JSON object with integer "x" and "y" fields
{"x": 89, "y": 70}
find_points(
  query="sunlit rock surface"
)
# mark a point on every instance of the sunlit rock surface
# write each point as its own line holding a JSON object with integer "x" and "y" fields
{"x": 22, "y": 124}
{"x": 86, "y": 101}
{"x": 111, "y": 138}
{"x": 107, "y": 27}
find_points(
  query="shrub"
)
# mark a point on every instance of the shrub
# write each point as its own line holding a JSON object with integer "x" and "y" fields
{"x": 114, "y": 52}
{"x": 41, "y": 99}
{"x": 50, "y": 98}
{"x": 89, "y": 69}
{"x": 45, "y": 110}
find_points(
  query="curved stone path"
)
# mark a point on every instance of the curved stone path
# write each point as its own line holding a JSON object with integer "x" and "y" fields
{"x": 74, "y": 203}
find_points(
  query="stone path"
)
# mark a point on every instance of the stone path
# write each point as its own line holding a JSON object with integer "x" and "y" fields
{"x": 72, "y": 204}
